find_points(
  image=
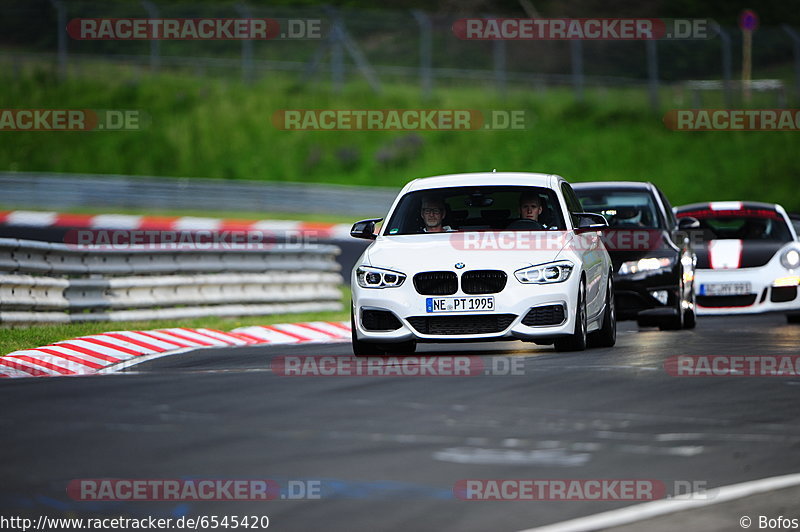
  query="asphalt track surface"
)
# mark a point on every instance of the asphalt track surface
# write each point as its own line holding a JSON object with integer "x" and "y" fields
{"x": 389, "y": 450}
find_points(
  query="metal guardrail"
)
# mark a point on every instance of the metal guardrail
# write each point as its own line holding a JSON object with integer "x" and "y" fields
{"x": 47, "y": 282}
{"x": 62, "y": 191}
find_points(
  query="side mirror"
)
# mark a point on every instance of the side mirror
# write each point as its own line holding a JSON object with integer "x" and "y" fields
{"x": 365, "y": 229}
{"x": 687, "y": 222}
{"x": 589, "y": 221}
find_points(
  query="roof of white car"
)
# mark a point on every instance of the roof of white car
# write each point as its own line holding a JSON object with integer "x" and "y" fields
{"x": 482, "y": 178}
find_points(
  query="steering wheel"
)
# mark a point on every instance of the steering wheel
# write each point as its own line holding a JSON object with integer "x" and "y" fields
{"x": 525, "y": 224}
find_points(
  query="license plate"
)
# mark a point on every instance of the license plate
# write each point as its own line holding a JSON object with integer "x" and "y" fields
{"x": 725, "y": 289}
{"x": 458, "y": 304}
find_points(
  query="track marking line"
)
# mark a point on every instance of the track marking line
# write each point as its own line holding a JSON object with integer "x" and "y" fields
{"x": 648, "y": 510}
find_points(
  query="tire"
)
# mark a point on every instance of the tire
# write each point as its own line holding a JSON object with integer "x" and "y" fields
{"x": 675, "y": 323}
{"x": 373, "y": 349}
{"x": 690, "y": 316}
{"x": 577, "y": 340}
{"x": 793, "y": 318}
{"x": 607, "y": 335}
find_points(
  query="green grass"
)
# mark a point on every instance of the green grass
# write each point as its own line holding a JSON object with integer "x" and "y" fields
{"x": 222, "y": 129}
{"x": 17, "y": 338}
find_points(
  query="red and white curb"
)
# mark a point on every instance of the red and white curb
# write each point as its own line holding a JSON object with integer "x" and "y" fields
{"x": 170, "y": 223}
{"x": 113, "y": 351}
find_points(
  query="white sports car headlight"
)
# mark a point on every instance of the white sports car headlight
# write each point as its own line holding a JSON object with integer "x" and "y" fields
{"x": 790, "y": 259}
{"x": 369, "y": 277}
{"x": 551, "y": 272}
{"x": 649, "y": 264}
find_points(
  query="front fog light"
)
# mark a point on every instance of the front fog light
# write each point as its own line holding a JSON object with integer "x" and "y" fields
{"x": 661, "y": 295}
{"x": 791, "y": 259}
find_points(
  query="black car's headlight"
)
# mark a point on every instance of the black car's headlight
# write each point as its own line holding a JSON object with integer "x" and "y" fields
{"x": 369, "y": 277}
{"x": 648, "y": 264}
{"x": 551, "y": 272}
{"x": 790, "y": 259}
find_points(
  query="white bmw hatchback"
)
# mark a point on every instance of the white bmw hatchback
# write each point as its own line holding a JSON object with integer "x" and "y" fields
{"x": 484, "y": 256}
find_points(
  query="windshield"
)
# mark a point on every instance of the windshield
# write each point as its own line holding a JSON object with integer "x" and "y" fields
{"x": 622, "y": 208}
{"x": 482, "y": 208}
{"x": 746, "y": 224}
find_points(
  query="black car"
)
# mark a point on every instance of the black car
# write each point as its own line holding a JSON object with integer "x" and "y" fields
{"x": 650, "y": 250}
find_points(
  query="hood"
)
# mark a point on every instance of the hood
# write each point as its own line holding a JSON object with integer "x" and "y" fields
{"x": 506, "y": 250}
{"x": 731, "y": 254}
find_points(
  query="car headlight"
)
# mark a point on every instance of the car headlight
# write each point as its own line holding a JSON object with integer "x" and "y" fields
{"x": 790, "y": 259}
{"x": 552, "y": 272}
{"x": 649, "y": 264}
{"x": 369, "y": 277}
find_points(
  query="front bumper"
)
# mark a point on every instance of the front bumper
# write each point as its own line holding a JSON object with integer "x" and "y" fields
{"x": 763, "y": 296}
{"x": 515, "y": 301}
{"x": 635, "y": 300}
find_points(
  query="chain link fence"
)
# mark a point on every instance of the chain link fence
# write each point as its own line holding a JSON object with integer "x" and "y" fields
{"x": 383, "y": 46}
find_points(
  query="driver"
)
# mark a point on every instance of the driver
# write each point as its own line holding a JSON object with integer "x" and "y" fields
{"x": 432, "y": 211}
{"x": 530, "y": 207}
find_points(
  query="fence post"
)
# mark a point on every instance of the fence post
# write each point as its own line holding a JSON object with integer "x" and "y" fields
{"x": 652, "y": 73}
{"x": 425, "y": 52}
{"x": 727, "y": 67}
{"x": 796, "y": 50}
{"x": 337, "y": 49}
{"x": 61, "y": 16}
{"x": 155, "y": 44}
{"x": 247, "y": 46}
{"x": 576, "y": 54}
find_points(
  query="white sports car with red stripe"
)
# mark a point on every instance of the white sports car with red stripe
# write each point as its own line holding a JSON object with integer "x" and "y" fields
{"x": 748, "y": 260}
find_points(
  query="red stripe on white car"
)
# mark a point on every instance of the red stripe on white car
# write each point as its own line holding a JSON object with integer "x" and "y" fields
{"x": 104, "y": 352}
{"x": 725, "y": 254}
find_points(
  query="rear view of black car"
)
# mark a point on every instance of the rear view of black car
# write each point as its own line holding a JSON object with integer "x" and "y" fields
{"x": 650, "y": 251}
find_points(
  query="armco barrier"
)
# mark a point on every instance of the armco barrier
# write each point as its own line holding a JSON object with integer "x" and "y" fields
{"x": 60, "y": 191}
{"x": 50, "y": 282}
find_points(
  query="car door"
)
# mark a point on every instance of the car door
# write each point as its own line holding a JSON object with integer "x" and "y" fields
{"x": 595, "y": 258}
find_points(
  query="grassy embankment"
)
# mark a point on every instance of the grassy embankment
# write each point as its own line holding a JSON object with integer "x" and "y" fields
{"x": 222, "y": 129}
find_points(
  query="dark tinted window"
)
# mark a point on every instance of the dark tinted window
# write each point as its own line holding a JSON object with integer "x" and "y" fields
{"x": 573, "y": 204}
{"x": 623, "y": 208}
{"x": 744, "y": 224}
{"x": 483, "y": 208}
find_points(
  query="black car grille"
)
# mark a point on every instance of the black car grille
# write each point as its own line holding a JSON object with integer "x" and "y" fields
{"x": 782, "y": 294}
{"x": 379, "y": 320}
{"x": 544, "y": 315}
{"x": 436, "y": 283}
{"x": 483, "y": 281}
{"x": 726, "y": 301}
{"x": 471, "y": 324}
